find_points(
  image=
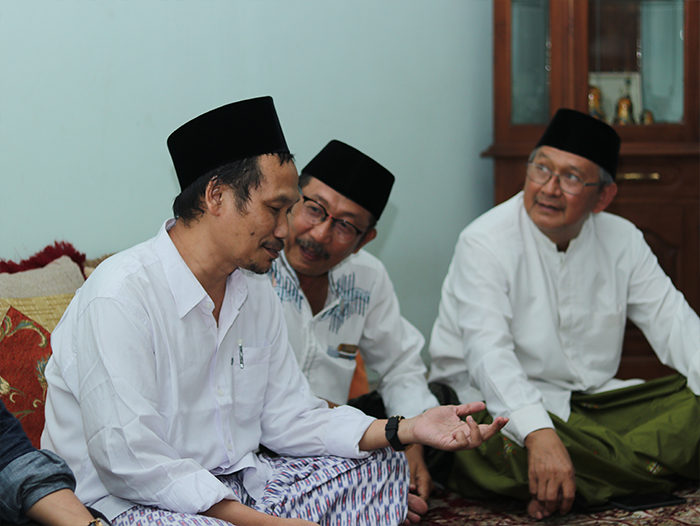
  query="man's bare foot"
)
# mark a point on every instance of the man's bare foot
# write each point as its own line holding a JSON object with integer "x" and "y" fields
{"x": 416, "y": 508}
{"x": 536, "y": 510}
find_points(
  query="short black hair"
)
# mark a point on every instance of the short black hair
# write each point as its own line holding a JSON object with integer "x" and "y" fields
{"x": 241, "y": 176}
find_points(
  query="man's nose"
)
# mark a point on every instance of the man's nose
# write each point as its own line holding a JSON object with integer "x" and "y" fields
{"x": 552, "y": 186}
{"x": 282, "y": 227}
{"x": 322, "y": 231}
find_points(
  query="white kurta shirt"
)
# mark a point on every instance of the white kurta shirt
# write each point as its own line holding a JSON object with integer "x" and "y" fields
{"x": 361, "y": 312}
{"x": 521, "y": 325}
{"x": 149, "y": 398}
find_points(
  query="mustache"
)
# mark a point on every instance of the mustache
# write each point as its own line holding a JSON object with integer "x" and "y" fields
{"x": 545, "y": 202}
{"x": 276, "y": 245}
{"x": 314, "y": 247}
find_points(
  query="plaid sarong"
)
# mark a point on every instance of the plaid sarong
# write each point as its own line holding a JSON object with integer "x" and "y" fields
{"x": 330, "y": 491}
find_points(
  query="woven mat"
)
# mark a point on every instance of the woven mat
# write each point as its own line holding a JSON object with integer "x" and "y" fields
{"x": 45, "y": 310}
{"x": 449, "y": 509}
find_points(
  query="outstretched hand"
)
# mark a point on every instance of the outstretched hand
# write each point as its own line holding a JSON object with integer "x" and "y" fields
{"x": 442, "y": 427}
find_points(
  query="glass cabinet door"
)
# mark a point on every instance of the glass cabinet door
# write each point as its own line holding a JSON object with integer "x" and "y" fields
{"x": 530, "y": 63}
{"x": 635, "y": 61}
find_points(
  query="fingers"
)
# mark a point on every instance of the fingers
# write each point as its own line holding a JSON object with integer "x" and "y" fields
{"x": 469, "y": 438}
{"x": 568, "y": 495}
{"x": 552, "y": 497}
{"x": 424, "y": 488}
{"x": 487, "y": 431}
{"x": 470, "y": 409}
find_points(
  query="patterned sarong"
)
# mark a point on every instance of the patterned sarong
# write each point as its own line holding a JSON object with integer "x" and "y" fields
{"x": 330, "y": 491}
{"x": 639, "y": 439}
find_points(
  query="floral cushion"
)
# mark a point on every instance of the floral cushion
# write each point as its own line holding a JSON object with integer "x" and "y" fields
{"x": 24, "y": 351}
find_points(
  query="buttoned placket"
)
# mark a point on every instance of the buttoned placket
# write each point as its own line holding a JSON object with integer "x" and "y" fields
{"x": 563, "y": 278}
{"x": 225, "y": 365}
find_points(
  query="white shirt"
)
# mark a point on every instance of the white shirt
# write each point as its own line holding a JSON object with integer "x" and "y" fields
{"x": 526, "y": 325}
{"x": 361, "y": 311}
{"x": 148, "y": 399}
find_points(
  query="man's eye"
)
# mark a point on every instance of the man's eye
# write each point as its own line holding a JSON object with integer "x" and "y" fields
{"x": 571, "y": 177}
{"x": 344, "y": 227}
{"x": 275, "y": 210}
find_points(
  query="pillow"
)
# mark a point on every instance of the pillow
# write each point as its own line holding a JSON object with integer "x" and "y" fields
{"x": 44, "y": 257}
{"x": 24, "y": 351}
{"x": 61, "y": 276}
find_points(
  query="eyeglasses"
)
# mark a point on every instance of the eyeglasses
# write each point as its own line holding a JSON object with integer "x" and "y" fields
{"x": 316, "y": 214}
{"x": 569, "y": 183}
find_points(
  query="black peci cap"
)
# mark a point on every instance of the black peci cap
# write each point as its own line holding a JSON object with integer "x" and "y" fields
{"x": 575, "y": 132}
{"x": 353, "y": 174}
{"x": 236, "y": 131}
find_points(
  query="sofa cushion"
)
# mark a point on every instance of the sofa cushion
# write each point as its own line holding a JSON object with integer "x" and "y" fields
{"x": 24, "y": 351}
{"x": 61, "y": 276}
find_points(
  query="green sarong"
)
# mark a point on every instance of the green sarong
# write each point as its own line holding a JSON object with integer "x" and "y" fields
{"x": 639, "y": 439}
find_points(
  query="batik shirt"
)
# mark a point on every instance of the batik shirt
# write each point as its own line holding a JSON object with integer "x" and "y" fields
{"x": 362, "y": 315}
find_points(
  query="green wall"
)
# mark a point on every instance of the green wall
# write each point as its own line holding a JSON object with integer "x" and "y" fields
{"x": 90, "y": 89}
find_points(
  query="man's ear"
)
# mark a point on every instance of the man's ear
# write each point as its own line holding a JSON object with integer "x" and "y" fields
{"x": 366, "y": 238}
{"x": 213, "y": 197}
{"x": 607, "y": 193}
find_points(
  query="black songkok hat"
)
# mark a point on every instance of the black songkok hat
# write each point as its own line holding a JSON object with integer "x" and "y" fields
{"x": 352, "y": 173}
{"x": 236, "y": 131}
{"x": 581, "y": 134}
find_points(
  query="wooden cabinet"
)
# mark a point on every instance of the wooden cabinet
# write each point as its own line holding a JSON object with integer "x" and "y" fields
{"x": 548, "y": 54}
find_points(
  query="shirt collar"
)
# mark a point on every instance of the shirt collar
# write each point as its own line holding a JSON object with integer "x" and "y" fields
{"x": 543, "y": 242}
{"x": 187, "y": 291}
{"x": 332, "y": 286}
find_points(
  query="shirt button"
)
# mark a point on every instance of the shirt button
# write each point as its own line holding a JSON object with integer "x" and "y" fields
{"x": 219, "y": 391}
{"x": 229, "y": 447}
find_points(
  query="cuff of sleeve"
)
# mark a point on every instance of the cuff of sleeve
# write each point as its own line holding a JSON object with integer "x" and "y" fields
{"x": 29, "y": 478}
{"x": 421, "y": 400}
{"x": 194, "y": 493}
{"x": 526, "y": 420}
{"x": 345, "y": 429}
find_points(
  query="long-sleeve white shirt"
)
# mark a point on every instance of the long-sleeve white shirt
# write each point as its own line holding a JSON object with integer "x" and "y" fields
{"x": 149, "y": 399}
{"x": 361, "y": 311}
{"x": 521, "y": 325}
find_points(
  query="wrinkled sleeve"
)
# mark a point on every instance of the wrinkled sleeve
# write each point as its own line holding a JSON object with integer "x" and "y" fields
{"x": 391, "y": 346}
{"x": 29, "y": 478}
{"x": 26, "y": 474}
{"x": 663, "y": 314}
{"x": 124, "y": 427}
{"x": 475, "y": 306}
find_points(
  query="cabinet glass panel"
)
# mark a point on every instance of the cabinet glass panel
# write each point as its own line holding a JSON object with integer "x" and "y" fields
{"x": 530, "y": 63}
{"x": 635, "y": 61}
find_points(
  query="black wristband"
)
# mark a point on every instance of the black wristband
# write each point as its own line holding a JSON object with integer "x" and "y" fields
{"x": 391, "y": 431}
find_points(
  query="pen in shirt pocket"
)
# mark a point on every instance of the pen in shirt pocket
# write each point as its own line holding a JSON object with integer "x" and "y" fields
{"x": 240, "y": 355}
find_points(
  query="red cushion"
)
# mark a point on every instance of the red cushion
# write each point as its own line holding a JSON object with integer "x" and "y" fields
{"x": 24, "y": 351}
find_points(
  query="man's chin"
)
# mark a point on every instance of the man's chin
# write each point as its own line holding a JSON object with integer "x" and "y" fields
{"x": 258, "y": 268}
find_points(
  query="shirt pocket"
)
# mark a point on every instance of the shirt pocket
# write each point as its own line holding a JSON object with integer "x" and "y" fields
{"x": 251, "y": 368}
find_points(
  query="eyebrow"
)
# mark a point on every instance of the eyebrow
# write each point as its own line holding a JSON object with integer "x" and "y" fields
{"x": 325, "y": 204}
{"x": 570, "y": 167}
{"x": 283, "y": 199}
